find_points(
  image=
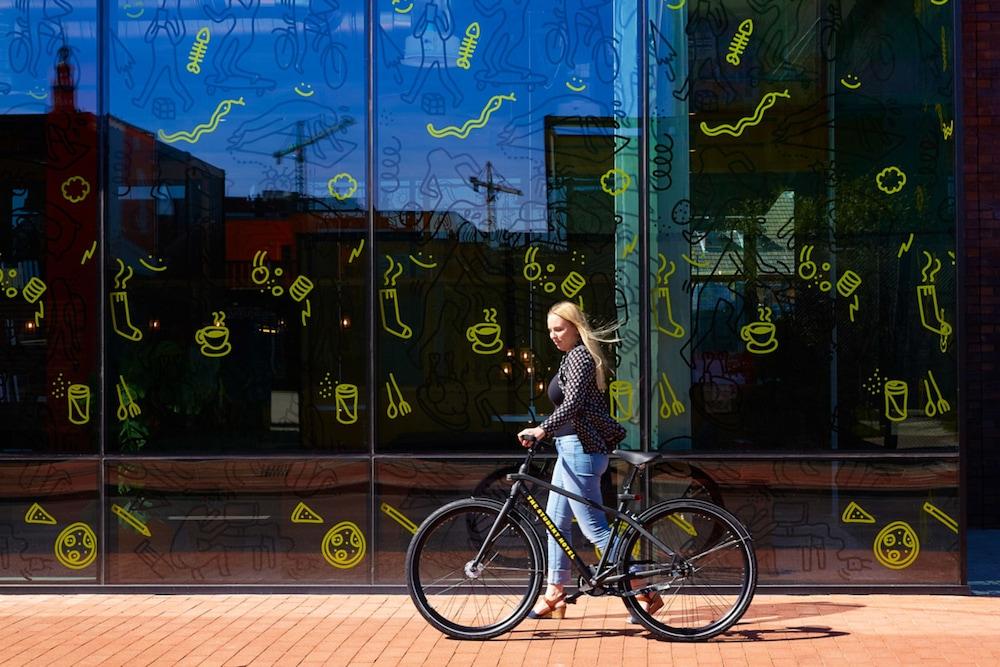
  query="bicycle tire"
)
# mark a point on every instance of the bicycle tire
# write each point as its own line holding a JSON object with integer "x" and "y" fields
{"x": 497, "y": 597}
{"x": 709, "y": 590}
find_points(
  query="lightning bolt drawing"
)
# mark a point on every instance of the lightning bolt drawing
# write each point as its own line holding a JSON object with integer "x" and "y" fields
{"x": 40, "y": 313}
{"x": 630, "y": 247}
{"x": 306, "y": 312}
{"x": 905, "y": 246}
{"x": 854, "y": 307}
{"x": 356, "y": 252}
{"x": 87, "y": 254}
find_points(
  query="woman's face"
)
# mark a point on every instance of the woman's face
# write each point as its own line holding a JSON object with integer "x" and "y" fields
{"x": 562, "y": 332}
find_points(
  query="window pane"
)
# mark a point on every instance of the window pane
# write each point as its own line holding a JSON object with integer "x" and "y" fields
{"x": 804, "y": 296}
{"x": 49, "y": 201}
{"x": 236, "y": 274}
{"x": 506, "y": 170}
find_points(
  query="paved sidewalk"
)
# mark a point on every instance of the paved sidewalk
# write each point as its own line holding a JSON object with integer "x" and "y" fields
{"x": 778, "y": 630}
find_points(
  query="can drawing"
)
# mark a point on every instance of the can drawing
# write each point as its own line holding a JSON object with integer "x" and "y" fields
{"x": 621, "y": 400}
{"x": 78, "y": 398}
{"x": 346, "y": 396}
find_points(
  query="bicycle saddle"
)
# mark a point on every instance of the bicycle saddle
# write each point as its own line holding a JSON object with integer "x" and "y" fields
{"x": 637, "y": 459}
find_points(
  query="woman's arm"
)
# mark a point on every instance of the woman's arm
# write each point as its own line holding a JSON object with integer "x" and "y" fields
{"x": 579, "y": 370}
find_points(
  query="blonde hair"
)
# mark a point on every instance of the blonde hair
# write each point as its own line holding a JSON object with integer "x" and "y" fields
{"x": 589, "y": 336}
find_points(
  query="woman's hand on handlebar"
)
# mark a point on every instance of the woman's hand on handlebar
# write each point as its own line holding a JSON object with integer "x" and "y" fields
{"x": 529, "y": 436}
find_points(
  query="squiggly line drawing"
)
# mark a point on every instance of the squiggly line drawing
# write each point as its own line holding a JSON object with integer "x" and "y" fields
{"x": 765, "y": 103}
{"x": 463, "y": 132}
{"x": 223, "y": 109}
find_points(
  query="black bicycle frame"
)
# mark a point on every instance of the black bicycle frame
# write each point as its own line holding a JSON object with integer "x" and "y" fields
{"x": 599, "y": 576}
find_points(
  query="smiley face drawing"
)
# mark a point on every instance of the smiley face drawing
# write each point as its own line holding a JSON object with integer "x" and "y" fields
{"x": 576, "y": 84}
{"x": 850, "y": 81}
{"x": 896, "y": 546}
{"x": 304, "y": 89}
{"x": 76, "y": 546}
{"x": 343, "y": 545}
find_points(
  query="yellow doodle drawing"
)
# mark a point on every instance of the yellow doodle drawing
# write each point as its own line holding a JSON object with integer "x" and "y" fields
{"x": 34, "y": 289}
{"x": 670, "y": 408}
{"x": 854, "y": 513}
{"x": 356, "y": 252}
{"x": 897, "y": 394}
{"x": 214, "y": 339}
{"x": 302, "y": 513}
{"x": 760, "y": 336}
{"x": 75, "y": 189}
{"x": 615, "y": 181}
{"x": 398, "y": 407}
{"x": 88, "y": 253}
{"x": 389, "y": 302}
{"x": 485, "y": 335}
{"x": 904, "y": 247}
{"x": 306, "y": 312}
{"x": 221, "y": 110}
{"x": 300, "y": 288}
{"x": 938, "y": 514}
{"x": 665, "y": 323}
{"x": 153, "y": 264}
{"x": 78, "y": 404}
{"x": 398, "y": 517}
{"x": 342, "y": 186}
{"x": 8, "y": 279}
{"x": 532, "y": 269}
{"x": 890, "y": 180}
{"x": 468, "y": 46}
{"x": 739, "y": 42}
{"x": 343, "y": 545}
{"x": 306, "y": 89}
{"x": 848, "y": 283}
{"x": 197, "y": 54}
{"x": 853, "y": 308}
{"x": 620, "y": 393}
{"x": 492, "y": 105}
{"x": 946, "y": 128}
{"x": 896, "y": 546}
{"x": 38, "y": 96}
{"x": 422, "y": 264}
{"x": 121, "y": 317}
{"x": 576, "y": 87}
{"x": 129, "y": 6}
{"x": 932, "y": 315}
{"x": 130, "y": 519}
{"x": 401, "y": 10}
{"x": 76, "y": 546}
{"x": 850, "y": 81}
{"x": 683, "y": 524}
{"x": 699, "y": 265}
{"x": 572, "y": 284}
{"x": 736, "y": 130}
{"x": 677, "y": 6}
{"x": 944, "y": 50}
{"x": 630, "y": 247}
{"x": 127, "y": 407}
{"x": 934, "y": 406}
{"x": 346, "y": 397}
{"x": 37, "y": 514}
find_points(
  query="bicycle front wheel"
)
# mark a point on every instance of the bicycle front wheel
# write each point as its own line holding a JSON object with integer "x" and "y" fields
{"x": 706, "y": 583}
{"x": 468, "y": 601}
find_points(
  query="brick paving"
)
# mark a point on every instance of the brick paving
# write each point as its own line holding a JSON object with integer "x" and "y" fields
{"x": 778, "y": 630}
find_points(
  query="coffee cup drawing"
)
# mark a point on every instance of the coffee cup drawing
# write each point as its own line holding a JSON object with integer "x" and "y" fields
{"x": 214, "y": 339}
{"x": 760, "y": 336}
{"x": 485, "y": 336}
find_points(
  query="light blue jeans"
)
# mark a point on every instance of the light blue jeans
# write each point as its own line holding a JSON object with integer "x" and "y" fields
{"x": 579, "y": 473}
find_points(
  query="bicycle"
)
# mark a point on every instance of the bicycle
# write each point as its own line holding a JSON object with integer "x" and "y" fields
{"x": 475, "y": 566}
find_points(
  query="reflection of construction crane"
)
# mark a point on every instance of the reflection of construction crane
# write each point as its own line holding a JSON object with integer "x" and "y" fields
{"x": 491, "y": 193}
{"x": 300, "y": 145}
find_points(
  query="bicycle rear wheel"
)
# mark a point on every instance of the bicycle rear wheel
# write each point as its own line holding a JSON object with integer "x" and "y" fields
{"x": 708, "y": 582}
{"x": 473, "y": 603}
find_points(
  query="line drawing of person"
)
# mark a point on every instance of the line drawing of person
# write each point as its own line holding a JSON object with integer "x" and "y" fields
{"x": 233, "y": 46}
{"x": 433, "y": 30}
{"x": 168, "y": 21}
{"x": 509, "y": 30}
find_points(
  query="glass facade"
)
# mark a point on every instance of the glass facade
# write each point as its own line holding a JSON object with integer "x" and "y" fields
{"x": 275, "y": 275}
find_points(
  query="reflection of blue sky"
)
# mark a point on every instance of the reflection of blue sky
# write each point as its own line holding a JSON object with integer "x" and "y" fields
{"x": 266, "y": 51}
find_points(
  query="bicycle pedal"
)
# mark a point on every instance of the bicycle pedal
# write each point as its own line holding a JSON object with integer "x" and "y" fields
{"x": 571, "y": 599}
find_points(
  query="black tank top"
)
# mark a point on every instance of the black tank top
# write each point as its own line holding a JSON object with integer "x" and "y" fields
{"x": 556, "y": 396}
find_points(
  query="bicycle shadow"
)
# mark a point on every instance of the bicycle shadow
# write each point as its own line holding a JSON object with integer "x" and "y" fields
{"x": 790, "y": 633}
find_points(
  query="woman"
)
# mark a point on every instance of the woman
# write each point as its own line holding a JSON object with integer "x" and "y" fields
{"x": 584, "y": 434}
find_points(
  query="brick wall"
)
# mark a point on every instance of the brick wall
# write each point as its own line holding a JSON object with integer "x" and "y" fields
{"x": 981, "y": 181}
